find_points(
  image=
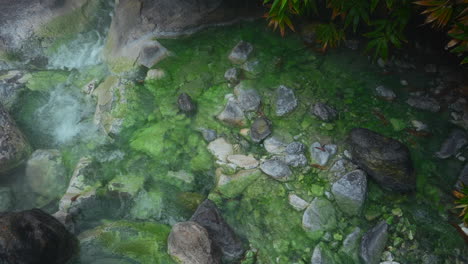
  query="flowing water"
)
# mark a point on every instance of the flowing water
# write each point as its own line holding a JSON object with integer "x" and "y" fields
{"x": 157, "y": 169}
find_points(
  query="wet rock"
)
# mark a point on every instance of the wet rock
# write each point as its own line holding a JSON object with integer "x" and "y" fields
{"x": 320, "y": 216}
{"x": 462, "y": 178}
{"x": 385, "y": 93}
{"x": 208, "y": 216}
{"x": 459, "y": 105}
{"x": 340, "y": 168}
{"x": 373, "y": 243}
{"x": 386, "y": 160}
{"x": 296, "y": 160}
{"x": 32, "y": 236}
{"x": 419, "y": 126}
{"x": 252, "y": 68}
{"x": 221, "y": 149}
{"x": 297, "y": 202}
{"x": 189, "y": 242}
{"x": 350, "y": 192}
{"x": 186, "y": 104}
{"x": 46, "y": 175}
{"x": 66, "y": 219}
{"x": 424, "y": 103}
{"x": 155, "y": 74}
{"x": 11, "y": 85}
{"x": 241, "y": 52}
{"x": 321, "y": 154}
{"x": 6, "y": 199}
{"x": 295, "y": 148}
{"x": 286, "y": 101}
{"x": 243, "y": 161}
{"x": 456, "y": 140}
{"x": 14, "y": 149}
{"x": 351, "y": 243}
{"x": 232, "y": 113}
{"x": 232, "y": 75}
{"x": 231, "y": 186}
{"x": 261, "y": 128}
{"x": 274, "y": 145}
{"x": 277, "y": 169}
{"x": 248, "y": 99}
{"x": 324, "y": 112}
{"x": 208, "y": 134}
{"x": 321, "y": 255}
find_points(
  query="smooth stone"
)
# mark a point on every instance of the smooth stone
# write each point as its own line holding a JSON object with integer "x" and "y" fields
{"x": 277, "y": 169}
{"x": 186, "y": 104}
{"x": 243, "y": 161}
{"x": 261, "y": 129}
{"x": 232, "y": 113}
{"x": 456, "y": 140}
{"x": 350, "y": 192}
{"x": 189, "y": 242}
{"x": 373, "y": 243}
{"x": 274, "y": 145}
{"x": 232, "y": 75}
{"x": 222, "y": 235}
{"x": 241, "y": 52}
{"x": 321, "y": 154}
{"x": 424, "y": 103}
{"x": 208, "y": 134}
{"x": 286, "y": 101}
{"x": 320, "y": 216}
{"x": 297, "y": 202}
{"x": 385, "y": 93}
{"x": 324, "y": 112}
{"x": 221, "y": 149}
{"x": 6, "y": 199}
{"x": 248, "y": 99}
{"x": 386, "y": 160}
{"x": 295, "y": 148}
{"x": 296, "y": 160}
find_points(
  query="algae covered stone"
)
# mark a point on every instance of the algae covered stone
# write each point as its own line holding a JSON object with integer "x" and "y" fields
{"x": 373, "y": 243}
{"x": 241, "y": 52}
{"x": 320, "y": 216}
{"x": 232, "y": 114}
{"x": 350, "y": 192}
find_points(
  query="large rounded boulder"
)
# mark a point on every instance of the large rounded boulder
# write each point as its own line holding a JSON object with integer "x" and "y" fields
{"x": 386, "y": 160}
{"x": 32, "y": 236}
{"x": 14, "y": 149}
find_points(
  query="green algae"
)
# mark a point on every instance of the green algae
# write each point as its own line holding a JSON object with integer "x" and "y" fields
{"x": 43, "y": 81}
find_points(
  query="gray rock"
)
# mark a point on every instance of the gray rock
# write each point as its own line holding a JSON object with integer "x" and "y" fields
{"x": 11, "y": 86}
{"x": 373, "y": 243}
{"x": 189, "y": 242}
{"x": 243, "y": 161}
{"x": 385, "y": 93}
{"x": 320, "y": 216}
{"x": 232, "y": 75}
{"x": 295, "y": 148}
{"x": 424, "y": 103}
{"x": 260, "y": 129}
{"x": 351, "y": 243}
{"x": 297, "y": 202}
{"x": 341, "y": 167}
{"x": 208, "y": 134}
{"x": 232, "y": 113}
{"x": 252, "y": 68}
{"x": 286, "y": 101}
{"x": 277, "y": 169}
{"x": 14, "y": 148}
{"x": 386, "y": 160}
{"x": 221, "y": 149}
{"x": 296, "y": 160}
{"x": 208, "y": 216}
{"x": 186, "y": 104}
{"x": 274, "y": 145}
{"x": 324, "y": 112}
{"x": 241, "y": 52}
{"x": 462, "y": 178}
{"x": 6, "y": 199}
{"x": 321, "y": 154}
{"x": 350, "y": 192}
{"x": 321, "y": 255}
{"x": 248, "y": 99}
{"x": 456, "y": 140}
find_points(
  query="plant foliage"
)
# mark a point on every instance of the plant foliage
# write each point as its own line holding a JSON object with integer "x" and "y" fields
{"x": 462, "y": 202}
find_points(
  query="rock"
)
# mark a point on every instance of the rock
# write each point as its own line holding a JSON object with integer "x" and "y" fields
{"x": 232, "y": 75}
{"x": 456, "y": 140}
{"x": 221, "y": 149}
{"x": 324, "y": 112}
{"x": 66, "y": 219}
{"x": 321, "y": 154}
{"x": 209, "y": 217}
{"x": 373, "y": 243}
{"x": 286, "y": 101}
{"x": 232, "y": 113}
{"x": 231, "y": 186}
{"x": 245, "y": 162}
{"x": 189, "y": 243}
{"x": 46, "y": 175}
{"x": 462, "y": 178}
{"x": 14, "y": 149}
{"x": 11, "y": 85}
{"x": 350, "y": 192}
{"x": 296, "y": 160}
{"x": 386, "y": 160}
{"x": 248, "y": 99}
{"x": 155, "y": 74}
{"x": 321, "y": 255}
{"x": 297, "y": 202}
{"x": 320, "y": 216}
{"x": 6, "y": 199}
{"x": 252, "y": 68}
{"x": 261, "y": 128}
{"x": 240, "y": 53}
{"x": 340, "y": 168}
{"x": 32, "y": 236}
{"x": 295, "y": 148}
{"x": 186, "y": 104}
{"x": 351, "y": 243}
{"x": 277, "y": 169}
{"x": 404, "y": 82}
{"x": 385, "y": 93}
{"x": 424, "y": 103}
{"x": 208, "y": 134}
{"x": 419, "y": 126}
{"x": 274, "y": 145}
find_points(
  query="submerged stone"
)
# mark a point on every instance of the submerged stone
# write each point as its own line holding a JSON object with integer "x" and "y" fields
{"x": 456, "y": 140}
{"x": 261, "y": 128}
{"x": 186, "y": 104}
{"x": 324, "y": 112}
{"x": 232, "y": 75}
{"x": 350, "y": 192}
{"x": 385, "y": 93}
{"x": 208, "y": 134}
{"x": 232, "y": 113}
{"x": 221, "y": 149}
{"x": 6, "y": 199}
{"x": 286, "y": 101}
{"x": 320, "y": 216}
{"x": 297, "y": 202}
{"x": 295, "y": 148}
{"x": 274, "y": 145}
{"x": 155, "y": 74}
{"x": 248, "y": 99}
{"x": 296, "y": 160}
{"x": 321, "y": 154}
{"x": 373, "y": 243}
{"x": 351, "y": 244}
{"x": 277, "y": 169}
{"x": 11, "y": 86}
{"x": 462, "y": 178}
{"x": 241, "y": 52}
{"x": 252, "y": 68}
{"x": 243, "y": 161}
{"x": 322, "y": 255}
{"x": 424, "y": 103}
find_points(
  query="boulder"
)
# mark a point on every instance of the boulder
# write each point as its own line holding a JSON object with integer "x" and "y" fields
{"x": 240, "y": 53}
{"x": 14, "y": 148}
{"x": 424, "y": 103}
{"x": 320, "y": 216}
{"x": 32, "y": 236}
{"x": 186, "y": 104}
{"x": 277, "y": 169}
{"x": 208, "y": 216}
{"x": 324, "y": 112}
{"x": 286, "y": 101}
{"x": 373, "y": 243}
{"x": 232, "y": 114}
{"x": 189, "y": 243}
{"x": 261, "y": 128}
{"x": 350, "y": 192}
{"x": 456, "y": 140}
{"x": 386, "y": 160}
